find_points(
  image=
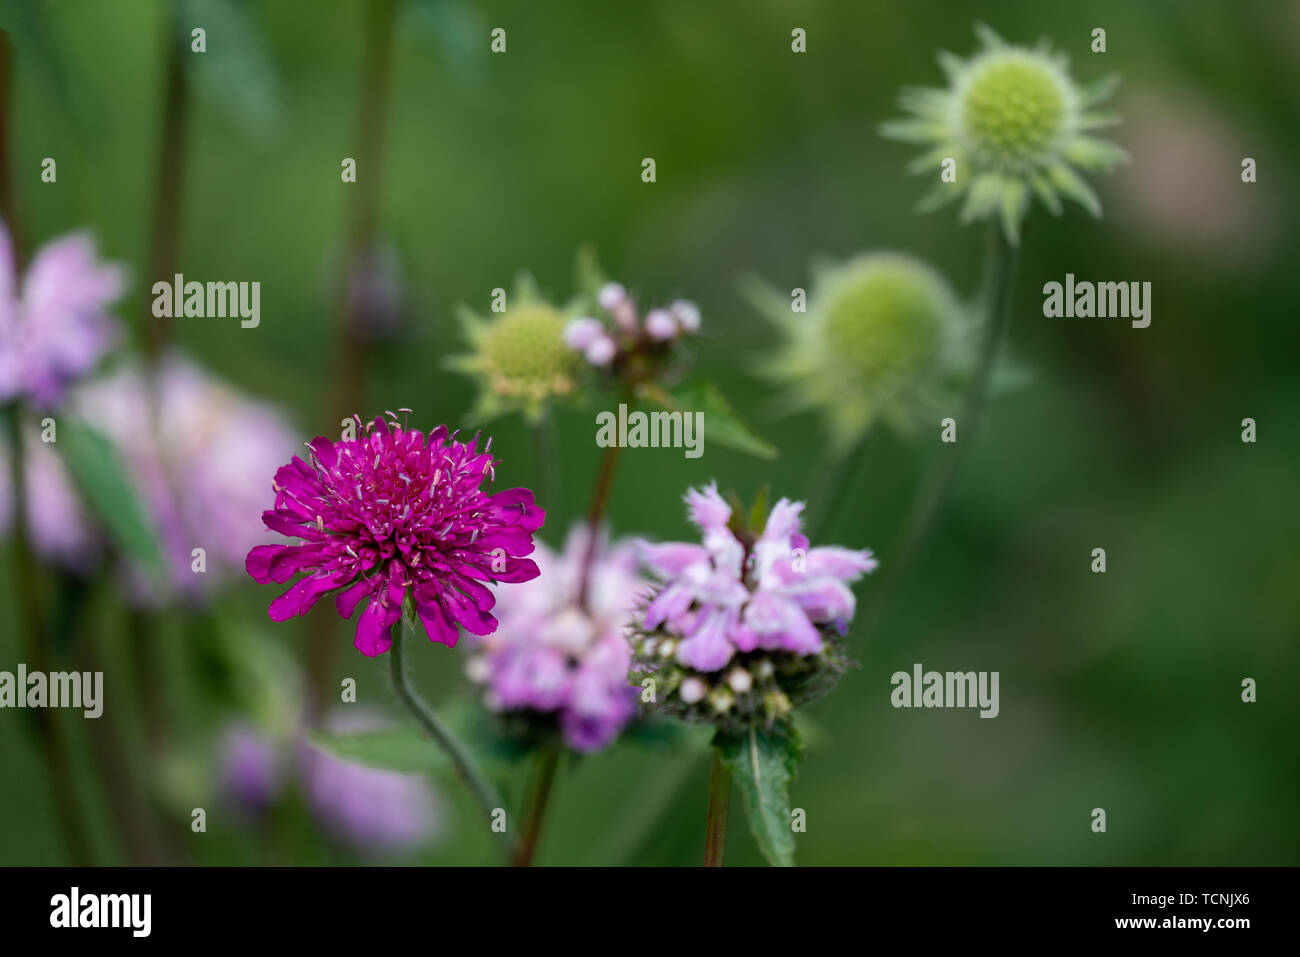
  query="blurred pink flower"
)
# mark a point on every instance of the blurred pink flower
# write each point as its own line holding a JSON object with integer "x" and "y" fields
{"x": 1183, "y": 189}
{"x": 54, "y": 326}
{"x": 198, "y": 453}
{"x": 551, "y": 656}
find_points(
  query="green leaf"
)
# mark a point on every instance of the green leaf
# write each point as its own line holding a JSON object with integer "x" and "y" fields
{"x": 107, "y": 489}
{"x": 721, "y": 423}
{"x": 591, "y": 278}
{"x": 762, "y": 762}
{"x": 235, "y": 72}
{"x": 403, "y": 749}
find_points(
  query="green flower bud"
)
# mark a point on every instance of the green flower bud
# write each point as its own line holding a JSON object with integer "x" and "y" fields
{"x": 1011, "y": 125}
{"x": 883, "y": 338}
{"x": 519, "y": 357}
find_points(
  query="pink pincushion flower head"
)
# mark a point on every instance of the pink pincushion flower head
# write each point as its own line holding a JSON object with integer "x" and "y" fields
{"x": 55, "y": 328}
{"x": 745, "y": 623}
{"x": 393, "y": 513}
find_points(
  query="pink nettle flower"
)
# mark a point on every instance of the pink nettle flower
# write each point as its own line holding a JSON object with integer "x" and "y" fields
{"x": 745, "y": 624}
{"x": 55, "y": 328}
{"x": 391, "y": 514}
{"x": 555, "y": 661}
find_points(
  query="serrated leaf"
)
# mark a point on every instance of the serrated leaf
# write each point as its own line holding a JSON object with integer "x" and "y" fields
{"x": 762, "y": 763}
{"x": 721, "y": 423}
{"x": 106, "y": 487}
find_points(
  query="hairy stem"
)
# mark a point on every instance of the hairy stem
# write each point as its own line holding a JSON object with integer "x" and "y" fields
{"x": 468, "y": 771}
{"x": 715, "y": 835}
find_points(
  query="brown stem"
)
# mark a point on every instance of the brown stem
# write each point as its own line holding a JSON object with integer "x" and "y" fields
{"x": 353, "y": 349}
{"x": 599, "y": 499}
{"x": 166, "y": 229}
{"x": 547, "y": 760}
{"x": 715, "y": 835}
{"x": 8, "y": 207}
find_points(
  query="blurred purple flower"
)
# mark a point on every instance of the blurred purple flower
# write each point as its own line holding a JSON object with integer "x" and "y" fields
{"x": 368, "y": 808}
{"x": 250, "y": 769}
{"x": 57, "y": 524}
{"x": 387, "y": 512}
{"x": 198, "y": 453}
{"x": 53, "y": 325}
{"x": 721, "y": 600}
{"x": 551, "y": 655}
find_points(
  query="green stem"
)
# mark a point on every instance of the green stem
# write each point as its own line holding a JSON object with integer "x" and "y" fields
{"x": 547, "y": 761}
{"x": 715, "y": 835}
{"x": 832, "y": 480}
{"x": 468, "y": 771}
{"x": 548, "y": 458}
{"x": 33, "y": 629}
{"x": 999, "y": 280}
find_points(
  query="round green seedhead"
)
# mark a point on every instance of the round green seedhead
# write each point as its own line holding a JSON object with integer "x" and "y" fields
{"x": 1014, "y": 110}
{"x": 518, "y": 357}
{"x": 1010, "y": 125}
{"x": 884, "y": 338}
{"x": 524, "y": 355}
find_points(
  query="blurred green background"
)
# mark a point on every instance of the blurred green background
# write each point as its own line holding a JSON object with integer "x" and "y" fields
{"x": 1119, "y": 691}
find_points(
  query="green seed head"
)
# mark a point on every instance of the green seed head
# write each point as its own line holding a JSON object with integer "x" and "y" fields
{"x": 1014, "y": 109}
{"x": 524, "y": 355}
{"x": 884, "y": 321}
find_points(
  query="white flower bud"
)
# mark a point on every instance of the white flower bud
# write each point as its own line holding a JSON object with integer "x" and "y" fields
{"x": 740, "y": 680}
{"x": 692, "y": 690}
{"x": 688, "y": 315}
{"x": 580, "y": 333}
{"x": 660, "y": 324}
{"x": 601, "y": 350}
{"x": 611, "y": 295}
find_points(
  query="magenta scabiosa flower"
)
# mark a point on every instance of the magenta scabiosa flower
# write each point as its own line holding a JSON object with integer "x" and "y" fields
{"x": 392, "y": 514}
{"x": 746, "y": 624}
{"x": 558, "y": 664}
{"x": 54, "y": 327}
